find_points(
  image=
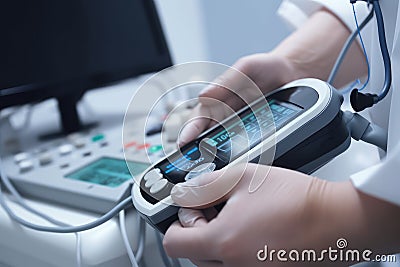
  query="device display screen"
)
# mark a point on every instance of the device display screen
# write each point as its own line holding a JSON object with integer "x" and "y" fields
{"x": 235, "y": 138}
{"x": 109, "y": 172}
{"x": 238, "y": 137}
{"x": 176, "y": 167}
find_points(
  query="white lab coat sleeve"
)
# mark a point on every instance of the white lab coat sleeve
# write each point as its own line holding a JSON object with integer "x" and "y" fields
{"x": 381, "y": 180}
{"x": 296, "y": 12}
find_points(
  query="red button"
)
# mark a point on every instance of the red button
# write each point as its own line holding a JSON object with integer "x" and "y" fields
{"x": 130, "y": 144}
{"x": 146, "y": 145}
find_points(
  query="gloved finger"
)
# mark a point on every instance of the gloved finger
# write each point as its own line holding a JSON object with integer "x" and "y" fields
{"x": 208, "y": 189}
{"x": 232, "y": 81}
{"x": 216, "y": 92}
{"x": 197, "y": 124}
{"x": 190, "y": 242}
{"x": 191, "y": 217}
{"x": 233, "y": 99}
{"x": 203, "y": 117}
{"x": 233, "y": 84}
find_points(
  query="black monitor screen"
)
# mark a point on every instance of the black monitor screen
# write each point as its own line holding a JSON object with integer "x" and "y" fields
{"x": 82, "y": 44}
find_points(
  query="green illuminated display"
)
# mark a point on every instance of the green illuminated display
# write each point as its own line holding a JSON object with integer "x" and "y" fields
{"x": 108, "y": 172}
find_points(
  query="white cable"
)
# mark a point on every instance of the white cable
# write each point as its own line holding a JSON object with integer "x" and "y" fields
{"x": 23, "y": 204}
{"x": 142, "y": 238}
{"x": 124, "y": 235}
{"x": 20, "y": 201}
{"x": 78, "y": 250}
{"x": 66, "y": 229}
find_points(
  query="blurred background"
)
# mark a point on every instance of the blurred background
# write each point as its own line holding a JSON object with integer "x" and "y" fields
{"x": 220, "y": 31}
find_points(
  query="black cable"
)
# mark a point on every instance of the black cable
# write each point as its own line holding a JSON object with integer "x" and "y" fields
{"x": 358, "y": 100}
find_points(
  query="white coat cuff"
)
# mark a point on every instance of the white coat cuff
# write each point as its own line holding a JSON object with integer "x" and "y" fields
{"x": 296, "y": 12}
{"x": 381, "y": 180}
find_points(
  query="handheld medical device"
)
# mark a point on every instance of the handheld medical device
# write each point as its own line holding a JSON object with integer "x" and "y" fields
{"x": 307, "y": 115}
{"x": 310, "y": 131}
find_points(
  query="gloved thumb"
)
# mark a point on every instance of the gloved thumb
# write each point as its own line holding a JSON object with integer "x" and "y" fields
{"x": 207, "y": 189}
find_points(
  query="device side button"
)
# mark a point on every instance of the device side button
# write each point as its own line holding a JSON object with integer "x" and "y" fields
{"x": 152, "y": 177}
{"x": 158, "y": 186}
{"x": 45, "y": 159}
{"x": 150, "y": 182}
{"x": 153, "y": 174}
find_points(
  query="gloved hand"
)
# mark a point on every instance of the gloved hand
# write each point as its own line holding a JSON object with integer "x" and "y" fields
{"x": 290, "y": 210}
{"x": 249, "y": 78}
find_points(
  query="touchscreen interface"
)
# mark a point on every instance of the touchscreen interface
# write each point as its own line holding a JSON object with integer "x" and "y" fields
{"x": 235, "y": 138}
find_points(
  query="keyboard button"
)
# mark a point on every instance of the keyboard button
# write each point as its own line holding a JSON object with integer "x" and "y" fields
{"x": 21, "y": 157}
{"x": 87, "y": 154}
{"x": 98, "y": 137}
{"x": 130, "y": 144}
{"x": 104, "y": 144}
{"x": 155, "y": 148}
{"x": 79, "y": 143}
{"x": 65, "y": 149}
{"x": 45, "y": 159}
{"x": 143, "y": 146}
{"x": 25, "y": 165}
{"x": 64, "y": 166}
